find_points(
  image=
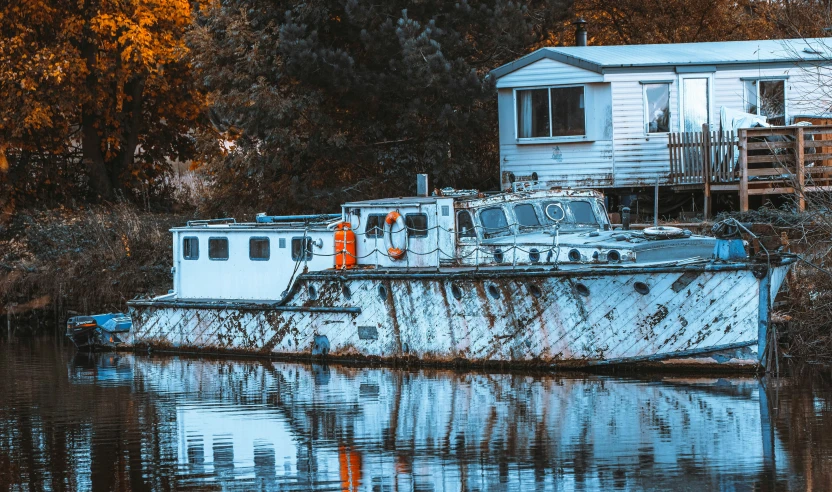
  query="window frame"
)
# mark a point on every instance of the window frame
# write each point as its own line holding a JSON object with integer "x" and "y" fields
{"x": 420, "y": 234}
{"x": 681, "y": 96}
{"x": 268, "y": 247}
{"x": 550, "y": 138}
{"x": 517, "y": 220}
{"x": 190, "y": 258}
{"x": 309, "y": 253}
{"x": 756, "y": 81}
{"x": 471, "y": 235}
{"x": 645, "y": 106}
{"x": 227, "y": 248}
{"x": 506, "y": 231}
{"x": 381, "y": 228}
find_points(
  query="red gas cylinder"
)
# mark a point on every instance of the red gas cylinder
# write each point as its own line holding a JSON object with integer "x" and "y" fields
{"x": 345, "y": 256}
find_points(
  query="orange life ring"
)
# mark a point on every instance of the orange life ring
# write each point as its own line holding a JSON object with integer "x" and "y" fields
{"x": 393, "y": 251}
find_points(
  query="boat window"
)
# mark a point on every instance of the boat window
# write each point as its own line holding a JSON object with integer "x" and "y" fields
{"x": 494, "y": 221}
{"x": 557, "y": 211}
{"x": 375, "y": 225}
{"x": 465, "y": 224}
{"x": 218, "y": 248}
{"x": 258, "y": 248}
{"x": 298, "y": 249}
{"x": 526, "y": 216}
{"x": 190, "y": 248}
{"x": 582, "y": 212}
{"x": 417, "y": 225}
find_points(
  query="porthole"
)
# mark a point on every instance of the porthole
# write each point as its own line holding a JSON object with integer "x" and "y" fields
{"x": 498, "y": 255}
{"x": 382, "y": 292}
{"x": 493, "y": 291}
{"x": 574, "y": 255}
{"x": 345, "y": 290}
{"x": 534, "y": 255}
{"x": 312, "y": 292}
{"x": 582, "y": 289}
{"x": 456, "y": 292}
{"x": 641, "y": 288}
{"x": 535, "y": 291}
{"x": 614, "y": 256}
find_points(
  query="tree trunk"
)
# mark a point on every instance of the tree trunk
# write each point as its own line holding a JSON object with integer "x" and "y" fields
{"x": 131, "y": 129}
{"x": 90, "y": 139}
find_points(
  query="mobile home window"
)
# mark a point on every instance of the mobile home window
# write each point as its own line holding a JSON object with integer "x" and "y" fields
{"x": 258, "y": 248}
{"x": 766, "y": 98}
{"x": 190, "y": 248}
{"x": 417, "y": 225}
{"x": 568, "y": 115}
{"x": 695, "y": 103}
{"x": 657, "y": 108}
{"x": 551, "y": 112}
{"x": 299, "y": 252}
{"x": 375, "y": 225}
{"x": 533, "y": 113}
{"x": 218, "y": 248}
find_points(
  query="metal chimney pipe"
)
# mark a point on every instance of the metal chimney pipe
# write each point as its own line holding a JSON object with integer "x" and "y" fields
{"x": 580, "y": 32}
{"x": 421, "y": 185}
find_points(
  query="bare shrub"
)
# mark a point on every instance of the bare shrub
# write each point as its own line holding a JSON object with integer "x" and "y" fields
{"x": 87, "y": 261}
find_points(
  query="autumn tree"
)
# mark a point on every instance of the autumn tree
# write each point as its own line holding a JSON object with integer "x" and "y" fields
{"x": 109, "y": 77}
{"x": 330, "y": 100}
{"x": 693, "y": 21}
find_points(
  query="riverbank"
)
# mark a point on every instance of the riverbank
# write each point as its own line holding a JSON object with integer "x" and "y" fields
{"x": 57, "y": 262}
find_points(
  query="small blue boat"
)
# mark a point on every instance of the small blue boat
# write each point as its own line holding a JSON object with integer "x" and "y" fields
{"x": 98, "y": 332}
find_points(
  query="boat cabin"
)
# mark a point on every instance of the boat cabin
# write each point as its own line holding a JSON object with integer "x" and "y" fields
{"x": 531, "y": 226}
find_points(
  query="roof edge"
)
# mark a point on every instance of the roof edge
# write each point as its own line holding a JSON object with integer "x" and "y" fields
{"x": 540, "y": 54}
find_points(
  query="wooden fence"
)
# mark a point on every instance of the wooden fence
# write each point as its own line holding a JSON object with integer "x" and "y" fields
{"x": 759, "y": 161}
{"x": 698, "y": 157}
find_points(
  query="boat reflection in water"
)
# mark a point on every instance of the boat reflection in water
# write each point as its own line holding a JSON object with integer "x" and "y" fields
{"x": 313, "y": 426}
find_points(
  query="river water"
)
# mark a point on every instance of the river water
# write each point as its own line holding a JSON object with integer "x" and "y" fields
{"x": 161, "y": 422}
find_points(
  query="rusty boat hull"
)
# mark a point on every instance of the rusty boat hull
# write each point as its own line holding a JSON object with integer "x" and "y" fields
{"x": 588, "y": 315}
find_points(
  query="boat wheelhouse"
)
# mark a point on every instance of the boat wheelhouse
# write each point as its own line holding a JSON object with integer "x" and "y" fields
{"x": 536, "y": 275}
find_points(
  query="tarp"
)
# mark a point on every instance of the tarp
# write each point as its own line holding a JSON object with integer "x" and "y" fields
{"x": 732, "y": 120}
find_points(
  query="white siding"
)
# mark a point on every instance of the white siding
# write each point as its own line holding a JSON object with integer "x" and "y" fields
{"x": 239, "y": 277}
{"x": 806, "y": 91}
{"x": 585, "y": 163}
{"x": 623, "y": 154}
{"x": 575, "y": 164}
{"x": 548, "y": 72}
{"x": 639, "y": 157}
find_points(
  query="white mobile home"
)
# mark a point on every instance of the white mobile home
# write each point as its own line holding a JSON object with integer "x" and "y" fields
{"x": 600, "y": 116}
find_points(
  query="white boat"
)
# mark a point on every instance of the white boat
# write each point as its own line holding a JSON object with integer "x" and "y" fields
{"x": 534, "y": 276}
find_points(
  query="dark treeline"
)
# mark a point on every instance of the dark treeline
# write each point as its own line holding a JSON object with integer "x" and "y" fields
{"x": 286, "y": 106}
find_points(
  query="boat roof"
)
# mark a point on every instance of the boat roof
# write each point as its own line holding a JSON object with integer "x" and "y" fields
{"x": 472, "y": 197}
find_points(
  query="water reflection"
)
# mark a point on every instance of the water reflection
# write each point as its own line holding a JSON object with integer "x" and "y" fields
{"x": 119, "y": 421}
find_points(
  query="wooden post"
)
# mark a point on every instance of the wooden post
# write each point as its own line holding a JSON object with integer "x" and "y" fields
{"x": 801, "y": 181}
{"x": 743, "y": 148}
{"x": 706, "y": 168}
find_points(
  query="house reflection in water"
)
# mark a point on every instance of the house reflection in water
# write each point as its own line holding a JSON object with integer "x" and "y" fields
{"x": 318, "y": 427}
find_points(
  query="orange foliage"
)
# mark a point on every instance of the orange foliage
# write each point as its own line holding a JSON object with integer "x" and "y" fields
{"x": 689, "y": 21}
{"x": 108, "y": 74}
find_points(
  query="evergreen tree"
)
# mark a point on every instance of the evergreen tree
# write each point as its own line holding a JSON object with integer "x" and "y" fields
{"x": 330, "y": 100}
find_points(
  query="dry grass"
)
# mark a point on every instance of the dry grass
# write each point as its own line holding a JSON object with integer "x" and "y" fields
{"x": 87, "y": 261}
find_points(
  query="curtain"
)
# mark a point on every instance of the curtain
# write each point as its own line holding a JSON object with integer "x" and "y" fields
{"x": 524, "y": 119}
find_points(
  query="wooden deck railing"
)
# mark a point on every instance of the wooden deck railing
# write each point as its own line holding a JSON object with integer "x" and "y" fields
{"x": 692, "y": 153}
{"x": 759, "y": 161}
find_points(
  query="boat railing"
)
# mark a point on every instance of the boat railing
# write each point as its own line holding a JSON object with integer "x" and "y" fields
{"x": 552, "y": 251}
